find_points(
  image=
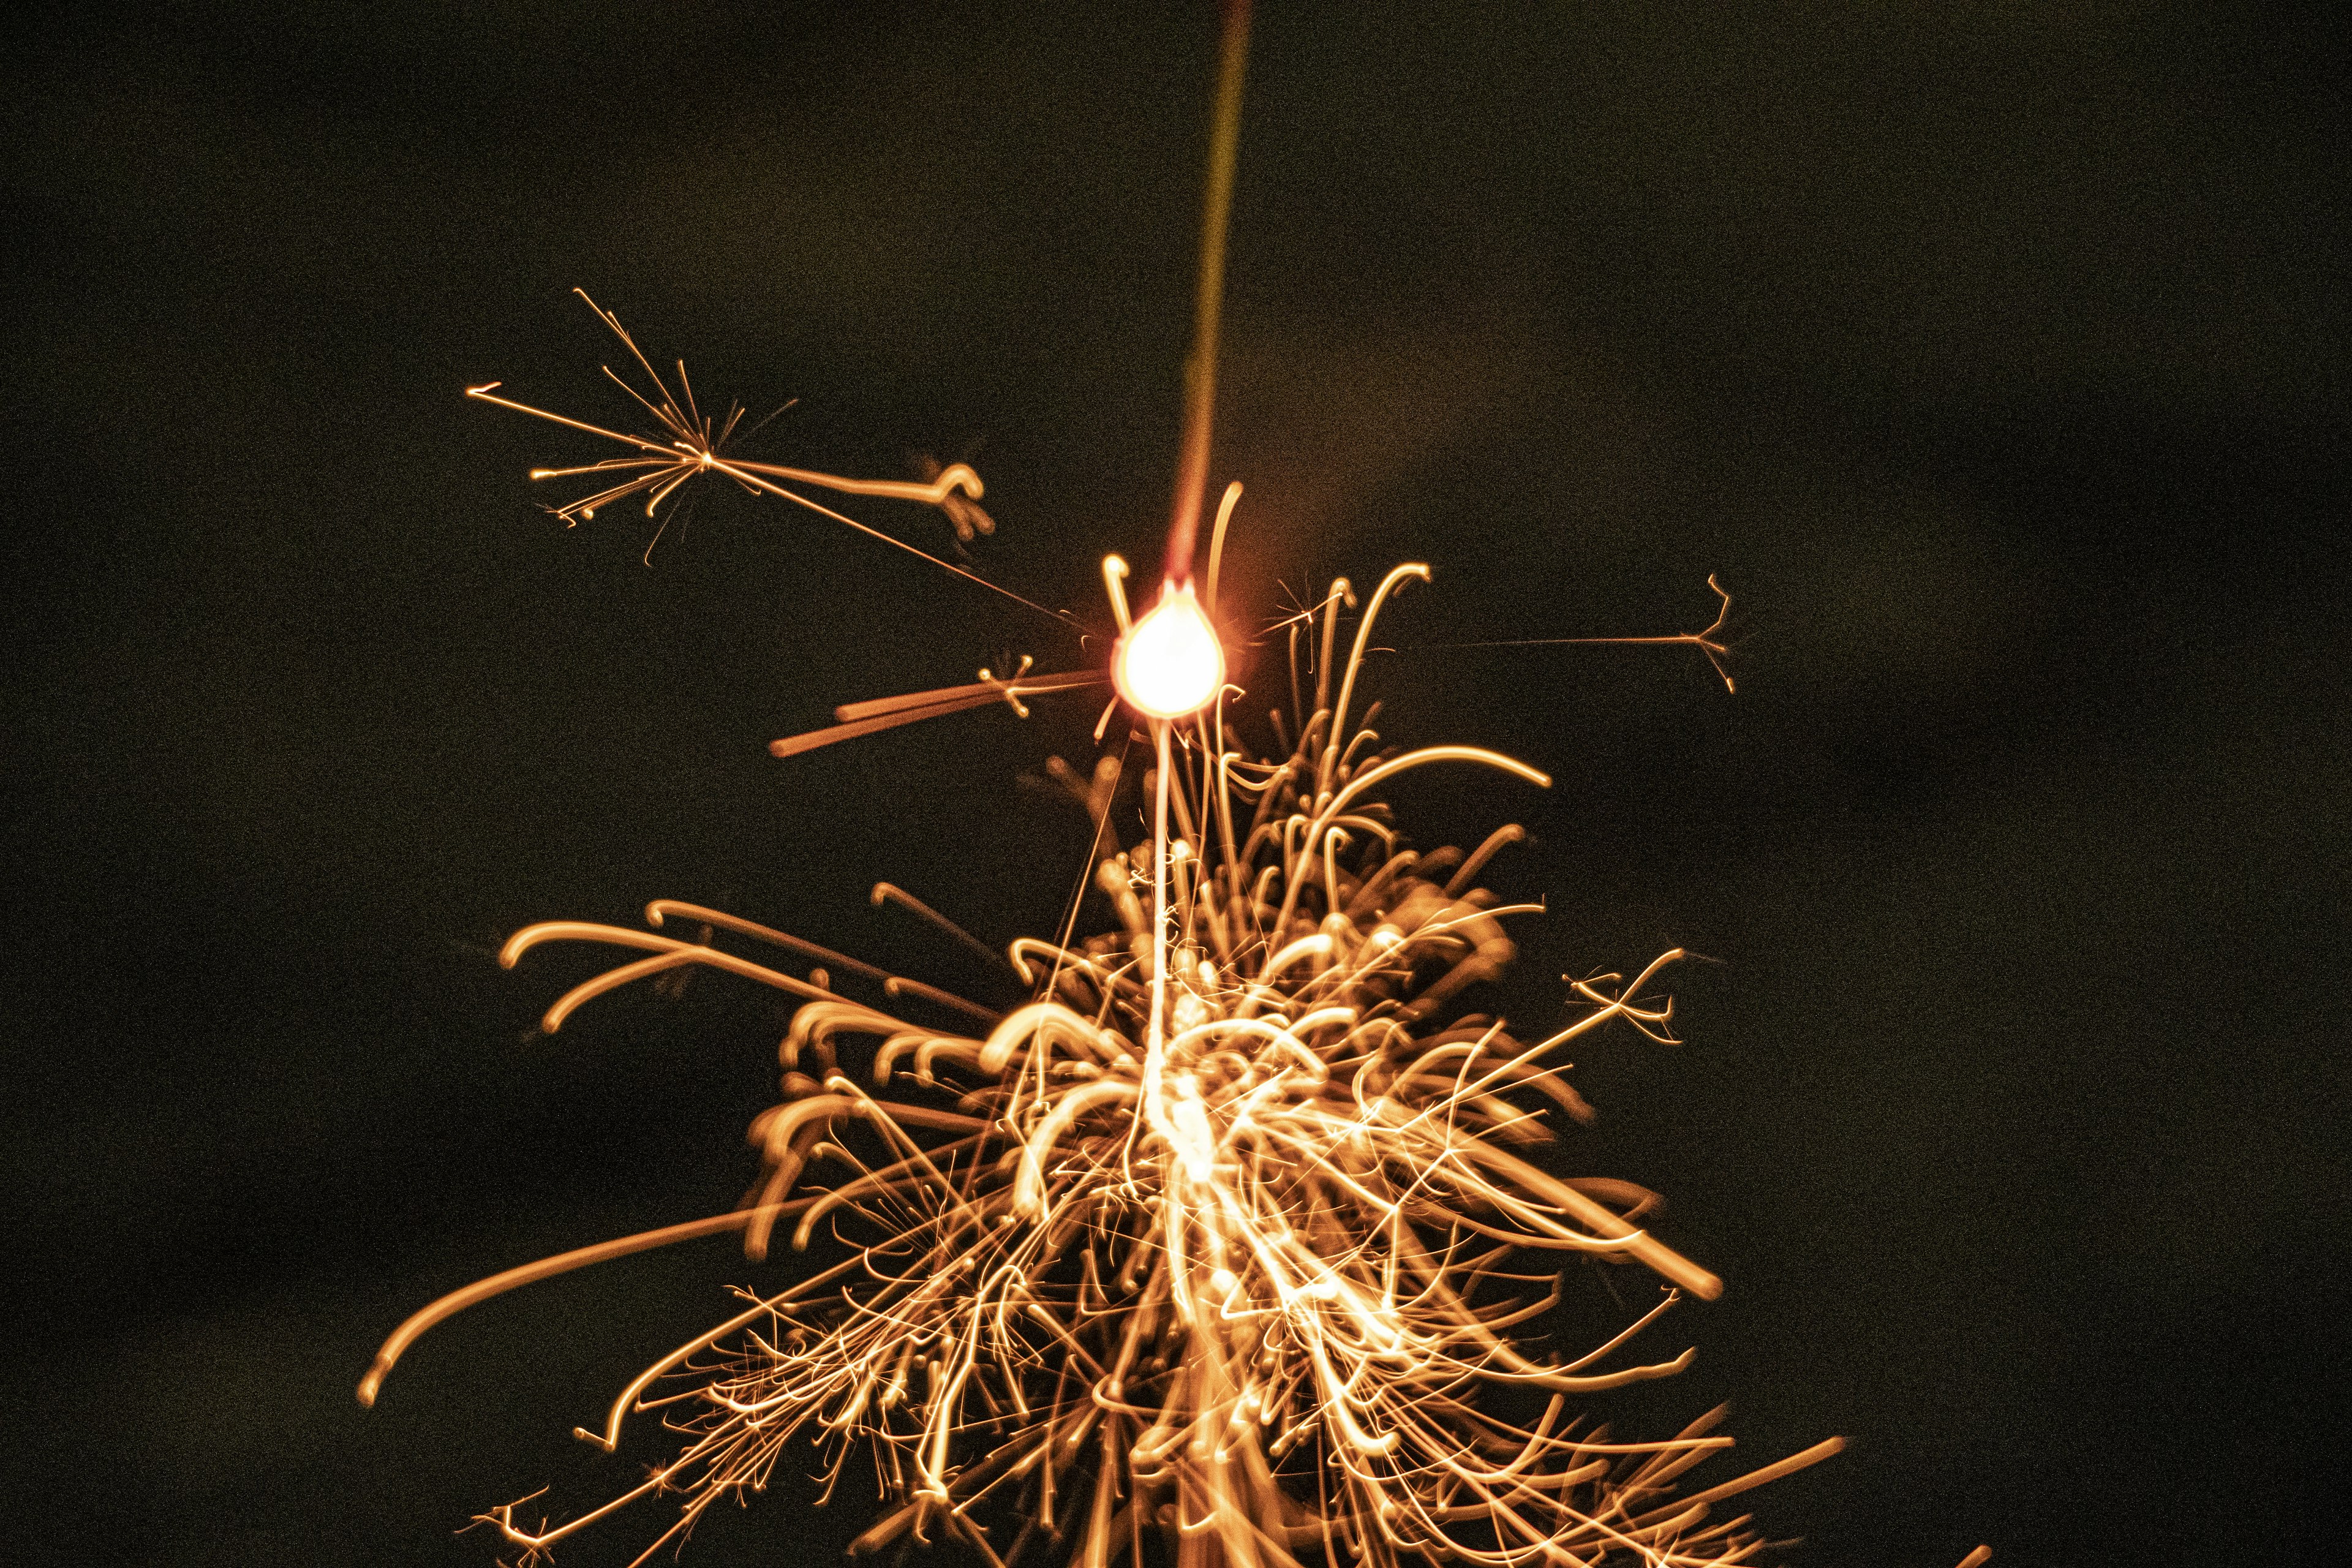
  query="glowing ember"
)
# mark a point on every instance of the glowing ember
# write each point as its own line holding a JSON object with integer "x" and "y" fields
{"x": 1170, "y": 664}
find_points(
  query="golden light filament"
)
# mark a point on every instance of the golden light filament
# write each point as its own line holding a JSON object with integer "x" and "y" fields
{"x": 1170, "y": 664}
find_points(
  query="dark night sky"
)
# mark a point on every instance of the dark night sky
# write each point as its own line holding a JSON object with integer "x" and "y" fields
{"x": 1993, "y": 354}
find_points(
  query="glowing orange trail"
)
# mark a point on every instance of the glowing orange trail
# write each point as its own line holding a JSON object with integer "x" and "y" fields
{"x": 1209, "y": 293}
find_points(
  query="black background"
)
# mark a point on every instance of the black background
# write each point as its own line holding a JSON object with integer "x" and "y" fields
{"x": 1993, "y": 356}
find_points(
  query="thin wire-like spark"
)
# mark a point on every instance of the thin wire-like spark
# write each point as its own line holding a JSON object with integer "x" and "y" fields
{"x": 1708, "y": 641}
{"x": 856, "y": 718}
{"x": 1234, "y": 1233}
{"x": 694, "y": 444}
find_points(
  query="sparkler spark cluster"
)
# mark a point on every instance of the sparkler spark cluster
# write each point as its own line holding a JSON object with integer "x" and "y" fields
{"x": 1228, "y": 1237}
{"x": 1237, "y": 1244}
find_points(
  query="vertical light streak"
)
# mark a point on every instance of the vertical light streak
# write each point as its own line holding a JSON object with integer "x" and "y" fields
{"x": 1209, "y": 293}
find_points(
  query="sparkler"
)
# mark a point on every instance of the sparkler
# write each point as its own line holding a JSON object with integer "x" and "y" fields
{"x": 1233, "y": 1234}
{"x": 1221, "y": 1235}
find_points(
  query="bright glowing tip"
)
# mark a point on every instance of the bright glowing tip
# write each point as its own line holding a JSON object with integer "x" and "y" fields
{"x": 1170, "y": 664}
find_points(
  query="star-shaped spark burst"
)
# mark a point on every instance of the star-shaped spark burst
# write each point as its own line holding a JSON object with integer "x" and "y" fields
{"x": 693, "y": 444}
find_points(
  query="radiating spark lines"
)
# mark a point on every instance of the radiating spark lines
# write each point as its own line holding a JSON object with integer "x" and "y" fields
{"x": 1228, "y": 1236}
{"x": 1234, "y": 1243}
{"x": 695, "y": 444}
